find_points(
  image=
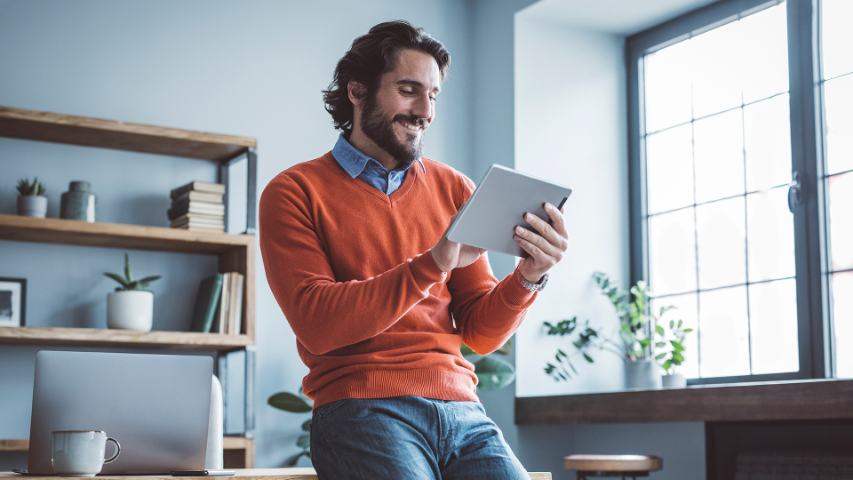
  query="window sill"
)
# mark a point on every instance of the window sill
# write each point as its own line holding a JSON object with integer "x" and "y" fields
{"x": 789, "y": 400}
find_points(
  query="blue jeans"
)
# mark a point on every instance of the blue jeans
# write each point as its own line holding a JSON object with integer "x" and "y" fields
{"x": 405, "y": 438}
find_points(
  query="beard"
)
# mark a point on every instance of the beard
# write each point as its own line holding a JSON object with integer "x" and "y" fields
{"x": 381, "y": 130}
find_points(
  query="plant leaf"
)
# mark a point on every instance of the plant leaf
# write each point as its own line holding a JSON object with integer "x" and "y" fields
{"x": 304, "y": 441}
{"x": 117, "y": 278}
{"x": 306, "y": 425}
{"x": 127, "y": 268}
{"x": 145, "y": 281}
{"x": 289, "y": 402}
{"x": 493, "y": 373}
{"x": 291, "y": 460}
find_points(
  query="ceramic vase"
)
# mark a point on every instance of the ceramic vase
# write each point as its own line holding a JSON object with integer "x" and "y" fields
{"x": 32, "y": 206}
{"x": 130, "y": 310}
{"x": 78, "y": 203}
{"x": 642, "y": 375}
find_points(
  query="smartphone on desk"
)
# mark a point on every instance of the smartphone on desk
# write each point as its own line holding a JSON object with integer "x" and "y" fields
{"x": 203, "y": 473}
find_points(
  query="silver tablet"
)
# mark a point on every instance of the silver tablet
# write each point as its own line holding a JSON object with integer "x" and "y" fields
{"x": 497, "y": 205}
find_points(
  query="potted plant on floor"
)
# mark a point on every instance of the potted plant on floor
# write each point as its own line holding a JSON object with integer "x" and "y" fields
{"x": 671, "y": 342}
{"x": 31, "y": 199}
{"x": 634, "y": 341}
{"x": 130, "y": 306}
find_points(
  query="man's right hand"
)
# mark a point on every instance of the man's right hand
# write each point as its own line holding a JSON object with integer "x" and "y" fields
{"x": 449, "y": 255}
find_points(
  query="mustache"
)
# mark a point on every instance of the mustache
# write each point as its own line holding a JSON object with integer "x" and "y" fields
{"x": 419, "y": 121}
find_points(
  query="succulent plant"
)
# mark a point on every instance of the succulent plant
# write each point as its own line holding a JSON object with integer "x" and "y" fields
{"x": 30, "y": 188}
{"x": 127, "y": 282}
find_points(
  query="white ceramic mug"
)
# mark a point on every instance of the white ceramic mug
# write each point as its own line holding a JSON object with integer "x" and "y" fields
{"x": 80, "y": 452}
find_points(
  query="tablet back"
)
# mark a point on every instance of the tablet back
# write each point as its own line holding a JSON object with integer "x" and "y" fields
{"x": 497, "y": 205}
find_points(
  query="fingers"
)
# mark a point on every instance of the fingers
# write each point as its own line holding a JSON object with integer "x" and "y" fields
{"x": 558, "y": 222}
{"x": 542, "y": 245}
{"x": 555, "y": 237}
{"x": 538, "y": 256}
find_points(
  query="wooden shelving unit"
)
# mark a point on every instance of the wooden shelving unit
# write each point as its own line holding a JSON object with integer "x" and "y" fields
{"x": 234, "y": 252}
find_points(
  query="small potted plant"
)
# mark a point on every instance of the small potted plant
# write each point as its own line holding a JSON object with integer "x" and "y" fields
{"x": 671, "y": 341}
{"x": 31, "y": 199}
{"x": 130, "y": 306}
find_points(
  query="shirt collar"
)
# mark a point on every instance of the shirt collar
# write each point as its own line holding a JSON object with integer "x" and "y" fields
{"x": 352, "y": 160}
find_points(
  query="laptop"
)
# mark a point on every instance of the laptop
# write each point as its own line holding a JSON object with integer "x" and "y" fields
{"x": 156, "y": 406}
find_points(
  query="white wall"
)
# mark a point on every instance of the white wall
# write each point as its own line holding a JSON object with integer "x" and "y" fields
{"x": 570, "y": 125}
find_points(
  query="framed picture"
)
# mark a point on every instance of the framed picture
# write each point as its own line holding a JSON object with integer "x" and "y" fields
{"x": 13, "y": 302}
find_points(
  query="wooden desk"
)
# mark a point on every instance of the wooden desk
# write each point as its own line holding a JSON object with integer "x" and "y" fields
{"x": 247, "y": 474}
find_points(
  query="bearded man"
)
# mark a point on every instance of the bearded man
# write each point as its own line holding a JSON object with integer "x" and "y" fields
{"x": 379, "y": 300}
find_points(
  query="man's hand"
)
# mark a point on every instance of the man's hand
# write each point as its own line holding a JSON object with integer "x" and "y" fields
{"x": 449, "y": 255}
{"x": 545, "y": 248}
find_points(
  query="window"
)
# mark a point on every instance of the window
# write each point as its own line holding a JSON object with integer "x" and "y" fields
{"x": 731, "y": 214}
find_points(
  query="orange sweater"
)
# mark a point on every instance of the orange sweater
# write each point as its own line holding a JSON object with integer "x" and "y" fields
{"x": 371, "y": 310}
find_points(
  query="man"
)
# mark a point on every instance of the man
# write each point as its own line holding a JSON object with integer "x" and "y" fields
{"x": 379, "y": 300}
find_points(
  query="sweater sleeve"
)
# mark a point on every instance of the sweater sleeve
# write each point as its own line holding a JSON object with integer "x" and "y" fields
{"x": 326, "y": 314}
{"x": 486, "y": 311}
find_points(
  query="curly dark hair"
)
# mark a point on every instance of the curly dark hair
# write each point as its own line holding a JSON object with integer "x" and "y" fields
{"x": 370, "y": 56}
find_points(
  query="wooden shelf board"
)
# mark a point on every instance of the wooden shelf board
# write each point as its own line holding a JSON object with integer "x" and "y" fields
{"x": 103, "y": 337}
{"x": 793, "y": 400}
{"x": 96, "y": 132}
{"x": 23, "y": 444}
{"x": 14, "y": 445}
{"x": 117, "y": 235}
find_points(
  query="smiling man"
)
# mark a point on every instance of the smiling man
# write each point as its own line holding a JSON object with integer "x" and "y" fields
{"x": 380, "y": 301}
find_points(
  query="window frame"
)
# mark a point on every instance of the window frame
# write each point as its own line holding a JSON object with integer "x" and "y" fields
{"x": 806, "y": 117}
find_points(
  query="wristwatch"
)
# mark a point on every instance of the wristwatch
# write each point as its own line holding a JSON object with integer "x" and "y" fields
{"x": 534, "y": 287}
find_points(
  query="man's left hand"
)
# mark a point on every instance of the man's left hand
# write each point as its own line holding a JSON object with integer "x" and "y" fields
{"x": 545, "y": 246}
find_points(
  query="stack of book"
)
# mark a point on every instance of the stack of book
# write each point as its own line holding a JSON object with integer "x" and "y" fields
{"x": 198, "y": 206}
{"x": 219, "y": 304}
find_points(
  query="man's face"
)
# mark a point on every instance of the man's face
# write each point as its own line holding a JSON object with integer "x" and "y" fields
{"x": 397, "y": 113}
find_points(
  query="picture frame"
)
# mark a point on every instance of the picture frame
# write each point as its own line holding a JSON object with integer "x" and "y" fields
{"x": 13, "y": 302}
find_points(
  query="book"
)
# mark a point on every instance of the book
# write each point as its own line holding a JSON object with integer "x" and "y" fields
{"x": 206, "y": 301}
{"x": 197, "y": 186}
{"x": 209, "y": 209}
{"x": 193, "y": 195}
{"x": 200, "y": 219}
{"x": 235, "y": 304}
{"x": 222, "y": 311}
{"x": 236, "y": 372}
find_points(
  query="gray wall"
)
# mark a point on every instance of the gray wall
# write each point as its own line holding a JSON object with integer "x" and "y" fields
{"x": 253, "y": 68}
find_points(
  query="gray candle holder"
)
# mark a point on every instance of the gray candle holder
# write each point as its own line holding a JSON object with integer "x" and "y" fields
{"x": 78, "y": 203}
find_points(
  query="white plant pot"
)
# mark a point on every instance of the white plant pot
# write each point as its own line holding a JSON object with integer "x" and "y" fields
{"x": 32, "y": 206}
{"x": 642, "y": 375}
{"x": 676, "y": 380}
{"x": 130, "y": 310}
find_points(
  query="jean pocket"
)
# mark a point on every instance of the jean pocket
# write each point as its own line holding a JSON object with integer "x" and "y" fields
{"x": 327, "y": 409}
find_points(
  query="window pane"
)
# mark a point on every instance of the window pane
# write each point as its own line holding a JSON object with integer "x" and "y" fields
{"x": 838, "y": 105}
{"x": 717, "y": 73}
{"x": 842, "y": 320}
{"x": 667, "y": 87}
{"x": 841, "y": 220}
{"x": 770, "y": 235}
{"x": 669, "y": 160}
{"x": 765, "y": 53}
{"x": 719, "y": 156}
{"x": 672, "y": 253}
{"x": 773, "y": 325}
{"x": 723, "y": 333}
{"x": 837, "y": 18}
{"x": 685, "y": 309}
{"x": 721, "y": 243}
{"x": 767, "y": 143}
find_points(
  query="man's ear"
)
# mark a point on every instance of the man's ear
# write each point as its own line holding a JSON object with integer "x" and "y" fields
{"x": 356, "y": 92}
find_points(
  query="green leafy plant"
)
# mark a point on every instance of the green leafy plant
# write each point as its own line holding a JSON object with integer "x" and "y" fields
{"x": 671, "y": 341}
{"x": 295, "y": 403}
{"x": 492, "y": 373}
{"x": 127, "y": 282}
{"x": 636, "y": 339}
{"x": 32, "y": 188}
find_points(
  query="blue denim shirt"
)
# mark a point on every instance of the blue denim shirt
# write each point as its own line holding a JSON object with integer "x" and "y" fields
{"x": 367, "y": 169}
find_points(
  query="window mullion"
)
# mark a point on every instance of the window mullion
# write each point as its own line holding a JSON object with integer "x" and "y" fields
{"x": 806, "y": 143}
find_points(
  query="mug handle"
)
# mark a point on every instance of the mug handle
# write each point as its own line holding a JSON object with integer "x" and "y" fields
{"x": 118, "y": 450}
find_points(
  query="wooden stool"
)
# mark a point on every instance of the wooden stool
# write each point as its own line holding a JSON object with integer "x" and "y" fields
{"x": 625, "y": 466}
